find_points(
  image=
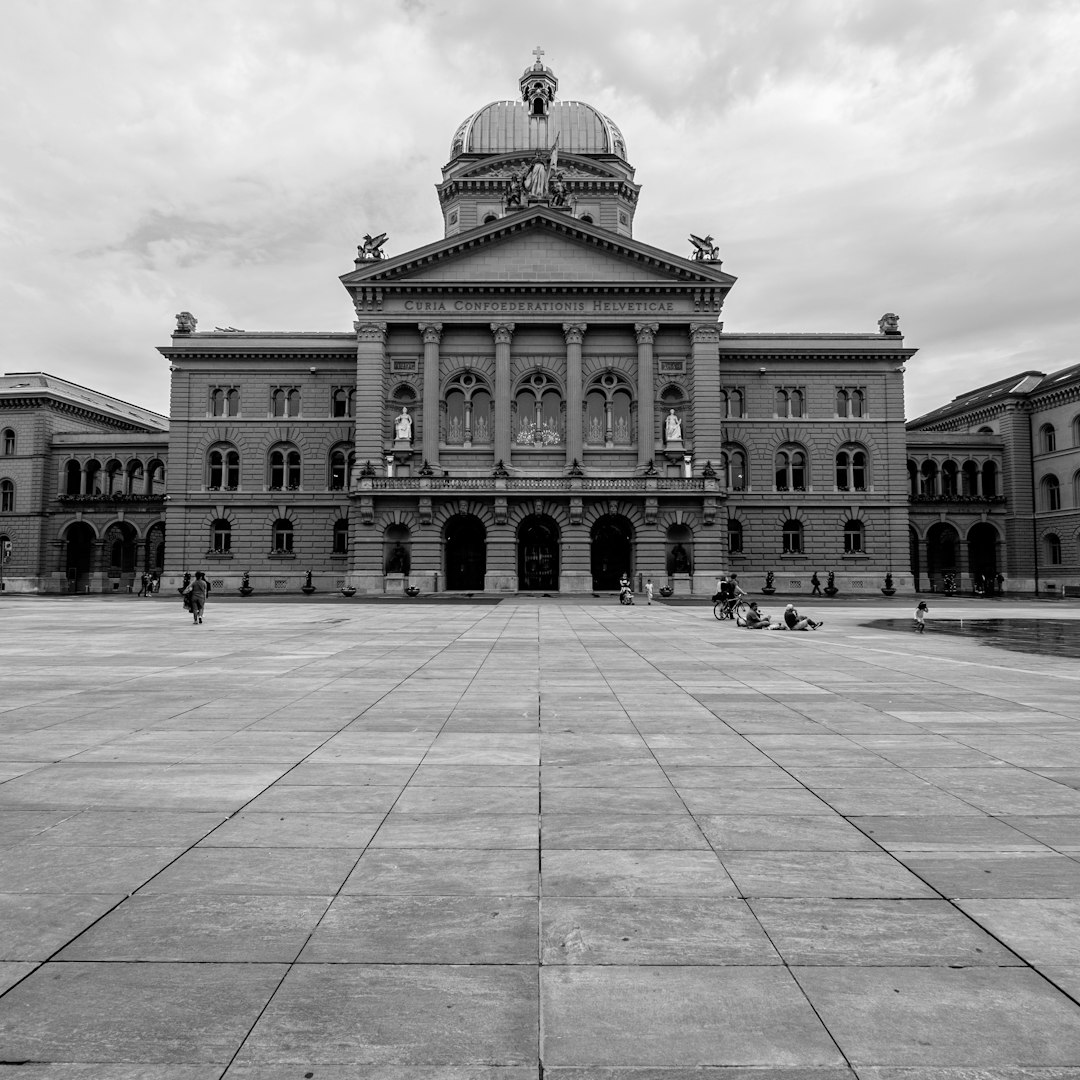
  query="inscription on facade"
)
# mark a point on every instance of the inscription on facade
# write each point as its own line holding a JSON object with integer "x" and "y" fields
{"x": 542, "y": 307}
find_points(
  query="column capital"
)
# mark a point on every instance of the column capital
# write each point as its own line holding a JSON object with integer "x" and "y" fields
{"x": 370, "y": 331}
{"x": 503, "y": 332}
{"x": 574, "y": 332}
{"x": 704, "y": 333}
{"x": 431, "y": 332}
{"x": 646, "y": 332}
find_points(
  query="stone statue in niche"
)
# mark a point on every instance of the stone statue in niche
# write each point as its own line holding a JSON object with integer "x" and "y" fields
{"x": 398, "y": 563}
{"x": 403, "y": 426}
{"x": 679, "y": 560}
{"x": 672, "y": 427}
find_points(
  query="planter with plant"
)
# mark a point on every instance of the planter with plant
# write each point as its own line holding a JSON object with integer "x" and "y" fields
{"x": 769, "y": 588}
{"x": 245, "y": 584}
{"x": 830, "y": 588}
{"x": 888, "y": 590}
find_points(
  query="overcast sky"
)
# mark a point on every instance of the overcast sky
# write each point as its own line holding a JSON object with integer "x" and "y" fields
{"x": 851, "y": 157}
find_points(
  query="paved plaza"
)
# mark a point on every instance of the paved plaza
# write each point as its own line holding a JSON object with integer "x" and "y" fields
{"x": 545, "y": 836}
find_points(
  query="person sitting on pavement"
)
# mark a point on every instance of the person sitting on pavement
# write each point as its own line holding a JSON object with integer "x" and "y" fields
{"x": 755, "y": 619}
{"x": 794, "y": 621}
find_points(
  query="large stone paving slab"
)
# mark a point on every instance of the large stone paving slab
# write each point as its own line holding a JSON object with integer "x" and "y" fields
{"x": 452, "y": 842}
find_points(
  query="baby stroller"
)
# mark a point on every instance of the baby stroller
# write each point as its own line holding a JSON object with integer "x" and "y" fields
{"x": 626, "y": 596}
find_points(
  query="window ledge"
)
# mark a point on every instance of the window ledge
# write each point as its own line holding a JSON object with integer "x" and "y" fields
{"x": 855, "y": 556}
{"x": 282, "y": 555}
{"x": 218, "y": 555}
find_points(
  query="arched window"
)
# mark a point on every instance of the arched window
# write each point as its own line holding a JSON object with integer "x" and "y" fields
{"x": 608, "y": 418}
{"x": 468, "y": 412}
{"x": 851, "y": 468}
{"x": 792, "y": 537}
{"x": 224, "y": 401}
{"x": 731, "y": 403}
{"x": 281, "y": 537}
{"x": 790, "y": 464}
{"x": 114, "y": 477}
{"x": 734, "y": 536}
{"x": 7, "y": 496}
{"x": 850, "y": 401}
{"x": 969, "y": 478}
{"x": 341, "y": 401}
{"x": 989, "y": 479}
{"x": 93, "y": 477}
{"x": 854, "y": 534}
{"x": 1053, "y": 549}
{"x": 950, "y": 478}
{"x": 1076, "y": 431}
{"x": 9, "y": 442}
{"x": 1076, "y": 488}
{"x": 733, "y": 467}
{"x": 285, "y": 401}
{"x": 1051, "y": 493}
{"x": 790, "y": 401}
{"x": 285, "y": 468}
{"x": 1047, "y": 438}
{"x": 223, "y": 468}
{"x": 928, "y": 478}
{"x": 913, "y": 478}
{"x": 341, "y": 459}
{"x": 135, "y": 478}
{"x": 538, "y": 412}
{"x": 341, "y": 536}
{"x": 221, "y": 537}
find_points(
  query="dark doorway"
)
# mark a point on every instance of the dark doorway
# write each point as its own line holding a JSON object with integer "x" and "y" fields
{"x": 982, "y": 557}
{"x": 466, "y": 553}
{"x": 612, "y": 551}
{"x": 913, "y": 555}
{"x": 942, "y": 556}
{"x": 538, "y": 553}
{"x": 80, "y": 555}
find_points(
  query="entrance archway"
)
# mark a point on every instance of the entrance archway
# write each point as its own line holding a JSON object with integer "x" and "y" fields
{"x": 942, "y": 554}
{"x": 465, "y": 545}
{"x": 612, "y": 550}
{"x": 982, "y": 557}
{"x": 913, "y": 556}
{"x": 538, "y": 553}
{"x": 79, "y": 556}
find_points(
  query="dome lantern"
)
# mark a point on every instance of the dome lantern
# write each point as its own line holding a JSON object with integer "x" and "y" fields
{"x": 538, "y": 85}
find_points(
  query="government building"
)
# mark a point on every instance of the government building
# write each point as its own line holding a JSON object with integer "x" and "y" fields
{"x": 538, "y": 401}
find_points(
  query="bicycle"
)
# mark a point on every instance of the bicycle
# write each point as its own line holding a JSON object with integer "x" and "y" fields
{"x": 735, "y": 608}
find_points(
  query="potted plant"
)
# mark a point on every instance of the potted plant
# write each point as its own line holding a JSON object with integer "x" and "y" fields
{"x": 830, "y": 588}
{"x": 948, "y": 585}
{"x": 307, "y": 588}
{"x": 412, "y": 590}
{"x": 348, "y": 590}
{"x": 245, "y": 584}
{"x": 666, "y": 591}
{"x": 888, "y": 590}
{"x": 768, "y": 588}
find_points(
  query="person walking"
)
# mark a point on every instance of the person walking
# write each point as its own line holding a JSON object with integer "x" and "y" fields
{"x": 648, "y": 590}
{"x": 142, "y": 585}
{"x": 200, "y": 590}
{"x": 816, "y": 582}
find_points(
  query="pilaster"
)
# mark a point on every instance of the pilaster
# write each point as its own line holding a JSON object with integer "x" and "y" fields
{"x": 574, "y": 333}
{"x": 708, "y": 422}
{"x": 370, "y": 393}
{"x": 646, "y": 335}
{"x": 503, "y": 334}
{"x": 431, "y": 333}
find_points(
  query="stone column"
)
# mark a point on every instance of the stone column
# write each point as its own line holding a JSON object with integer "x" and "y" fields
{"x": 708, "y": 422}
{"x": 646, "y": 435}
{"x": 432, "y": 335}
{"x": 574, "y": 334}
{"x": 370, "y": 393}
{"x": 503, "y": 333}
{"x": 82, "y": 478}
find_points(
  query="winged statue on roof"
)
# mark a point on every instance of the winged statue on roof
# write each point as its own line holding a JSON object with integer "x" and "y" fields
{"x": 704, "y": 249}
{"x": 372, "y": 247}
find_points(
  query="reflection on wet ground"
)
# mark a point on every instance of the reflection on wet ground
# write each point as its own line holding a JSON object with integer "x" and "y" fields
{"x": 1044, "y": 637}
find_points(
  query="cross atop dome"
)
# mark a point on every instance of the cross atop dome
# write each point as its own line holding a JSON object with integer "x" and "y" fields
{"x": 538, "y": 85}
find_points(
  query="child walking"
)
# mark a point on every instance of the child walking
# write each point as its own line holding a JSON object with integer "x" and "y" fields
{"x": 920, "y": 617}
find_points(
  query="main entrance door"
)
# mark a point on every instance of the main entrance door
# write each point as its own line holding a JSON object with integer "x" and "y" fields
{"x": 538, "y": 553}
{"x": 612, "y": 551}
{"x": 80, "y": 554}
{"x": 465, "y": 541}
{"x": 982, "y": 557}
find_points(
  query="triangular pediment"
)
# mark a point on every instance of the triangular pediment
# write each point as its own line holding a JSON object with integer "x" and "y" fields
{"x": 538, "y": 246}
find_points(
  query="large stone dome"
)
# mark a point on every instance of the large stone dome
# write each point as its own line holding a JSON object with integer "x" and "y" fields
{"x": 504, "y": 126}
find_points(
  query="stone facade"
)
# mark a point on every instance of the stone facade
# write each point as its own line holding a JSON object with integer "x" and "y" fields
{"x": 82, "y": 484}
{"x": 994, "y": 482}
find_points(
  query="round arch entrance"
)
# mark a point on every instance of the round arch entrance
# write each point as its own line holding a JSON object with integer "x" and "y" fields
{"x": 982, "y": 557}
{"x": 538, "y": 553}
{"x": 611, "y": 550}
{"x": 942, "y": 554}
{"x": 465, "y": 546}
{"x": 79, "y": 555}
